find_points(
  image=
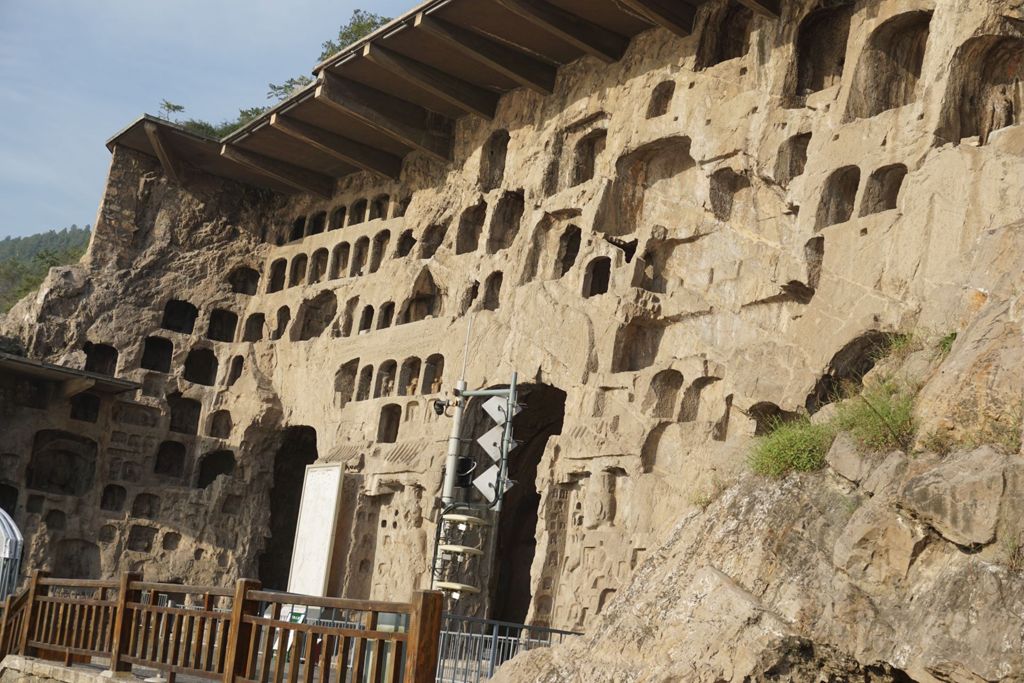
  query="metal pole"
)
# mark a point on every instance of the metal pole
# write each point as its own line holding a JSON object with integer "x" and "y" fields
{"x": 451, "y": 463}
{"x": 494, "y": 651}
{"x": 506, "y": 440}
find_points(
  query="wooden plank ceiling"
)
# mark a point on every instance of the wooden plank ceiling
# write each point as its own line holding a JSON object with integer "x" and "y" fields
{"x": 402, "y": 88}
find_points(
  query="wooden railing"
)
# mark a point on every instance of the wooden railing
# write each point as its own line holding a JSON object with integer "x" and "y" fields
{"x": 70, "y": 617}
{"x": 240, "y": 635}
{"x": 15, "y": 609}
{"x": 177, "y": 629}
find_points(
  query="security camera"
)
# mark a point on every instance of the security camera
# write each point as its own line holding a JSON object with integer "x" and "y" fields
{"x": 440, "y": 405}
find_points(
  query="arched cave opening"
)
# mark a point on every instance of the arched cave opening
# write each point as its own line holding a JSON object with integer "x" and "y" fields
{"x": 492, "y": 160}
{"x": 244, "y": 280}
{"x": 297, "y": 450}
{"x": 516, "y": 543}
{"x": 846, "y": 370}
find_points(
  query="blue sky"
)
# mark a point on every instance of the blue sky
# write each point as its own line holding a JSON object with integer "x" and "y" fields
{"x": 74, "y": 72}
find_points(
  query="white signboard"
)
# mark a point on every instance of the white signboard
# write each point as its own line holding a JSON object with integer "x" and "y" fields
{"x": 491, "y": 442}
{"x": 487, "y": 483}
{"x": 315, "y": 530}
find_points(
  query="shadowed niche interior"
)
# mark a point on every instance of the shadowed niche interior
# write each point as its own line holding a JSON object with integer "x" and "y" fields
{"x": 297, "y": 449}
{"x": 516, "y": 543}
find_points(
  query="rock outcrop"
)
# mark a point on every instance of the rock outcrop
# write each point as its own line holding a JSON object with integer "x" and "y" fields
{"x": 674, "y": 250}
{"x": 818, "y": 578}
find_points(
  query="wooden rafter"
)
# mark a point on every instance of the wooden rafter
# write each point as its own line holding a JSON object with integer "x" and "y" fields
{"x": 768, "y": 8}
{"x": 73, "y": 387}
{"x": 340, "y": 147}
{"x": 468, "y": 97}
{"x": 673, "y": 15}
{"x": 173, "y": 170}
{"x": 299, "y": 178}
{"x": 582, "y": 34}
{"x": 399, "y": 119}
{"x": 515, "y": 65}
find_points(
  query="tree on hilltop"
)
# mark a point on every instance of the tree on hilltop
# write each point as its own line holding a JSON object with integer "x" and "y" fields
{"x": 360, "y": 25}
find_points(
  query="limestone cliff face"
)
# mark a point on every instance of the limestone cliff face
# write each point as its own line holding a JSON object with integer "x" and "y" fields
{"x": 671, "y": 250}
{"x": 892, "y": 577}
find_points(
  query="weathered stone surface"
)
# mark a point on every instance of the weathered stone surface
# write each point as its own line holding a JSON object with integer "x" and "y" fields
{"x": 877, "y": 545}
{"x": 849, "y": 460}
{"x": 887, "y": 474}
{"x": 667, "y": 281}
{"x": 960, "y": 498}
{"x": 811, "y": 559}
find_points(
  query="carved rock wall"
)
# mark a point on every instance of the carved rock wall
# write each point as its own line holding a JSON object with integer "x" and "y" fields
{"x": 683, "y": 244}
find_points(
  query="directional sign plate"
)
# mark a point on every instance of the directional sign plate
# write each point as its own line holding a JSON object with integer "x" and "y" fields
{"x": 491, "y": 442}
{"x": 496, "y": 406}
{"x": 486, "y": 483}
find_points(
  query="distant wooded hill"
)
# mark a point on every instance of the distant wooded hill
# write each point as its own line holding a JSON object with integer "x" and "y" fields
{"x": 24, "y": 261}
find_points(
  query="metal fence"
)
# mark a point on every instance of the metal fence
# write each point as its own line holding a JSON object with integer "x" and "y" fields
{"x": 471, "y": 649}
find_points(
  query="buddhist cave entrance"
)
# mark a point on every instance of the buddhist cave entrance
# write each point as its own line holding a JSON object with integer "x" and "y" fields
{"x": 516, "y": 543}
{"x": 297, "y": 450}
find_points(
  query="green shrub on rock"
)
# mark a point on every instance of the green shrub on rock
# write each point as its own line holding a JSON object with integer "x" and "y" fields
{"x": 880, "y": 418}
{"x": 797, "y": 445}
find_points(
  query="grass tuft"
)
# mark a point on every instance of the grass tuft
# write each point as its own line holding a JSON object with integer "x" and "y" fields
{"x": 898, "y": 346}
{"x": 879, "y": 418}
{"x": 1015, "y": 554}
{"x": 945, "y": 344}
{"x": 794, "y": 446}
{"x": 938, "y": 441}
{"x": 706, "y": 497}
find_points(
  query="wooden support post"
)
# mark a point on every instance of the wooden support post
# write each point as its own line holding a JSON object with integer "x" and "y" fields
{"x": 468, "y": 97}
{"x": 5, "y": 626}
{"x": 571, "y": 29}
{"x": 766, "y": 8}
{"x": 518, "y": 66}
{"x": 424, "y": 634}
{"x": 296, "y": 177}
{"x": 239, "y": 635}
{"x": 162, "y": 148}
{"x": 124, "y": 619}
{"x": 73, "y": 387}
{"x": 350, "y": 151}
{"x": 677, "y": 17}
{"x": 28, "y": 625}
{"x": 401, "y": 120}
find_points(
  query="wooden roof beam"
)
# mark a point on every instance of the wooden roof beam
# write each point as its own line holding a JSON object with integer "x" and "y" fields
{"x": 584, "y": 35}
{"x": 468, "y": 97}
{"x": 173, "y": 170}
{"x": 301, "y": 179}
{"x": 676, "y": 16}
{"x": 515, "y": 65}
{"x": 75, "y": 386}
{"x": 767, "y": 8}
{"x": 340, "y": 147}
{"x": 392, "y": 116}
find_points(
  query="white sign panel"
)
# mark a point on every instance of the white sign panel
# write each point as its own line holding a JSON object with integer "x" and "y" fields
{"x": 496, "y": 407}
{"x": 315, "y": 530}
{"x": 491, "y": 442}
{"x": 487, "y": 483}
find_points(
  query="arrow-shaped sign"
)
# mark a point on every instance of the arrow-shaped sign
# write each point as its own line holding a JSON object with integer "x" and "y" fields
{"x": 496, "y": 407}
{"x": 491, "y": 442}
{"x": 487, "y": 483}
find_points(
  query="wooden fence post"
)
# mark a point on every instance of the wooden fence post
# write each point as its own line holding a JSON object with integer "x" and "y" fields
{"x": 5, "y": 626}
{"x": 424, "y": 634}
{"x": 238, "y": 635}
{"x": 34, "y": 589}
{"x": 124, "y": 618}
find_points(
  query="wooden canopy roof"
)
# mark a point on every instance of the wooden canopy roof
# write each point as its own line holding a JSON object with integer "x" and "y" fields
{"x": 402, "y": 88}
{"x": 73, "y": 380}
